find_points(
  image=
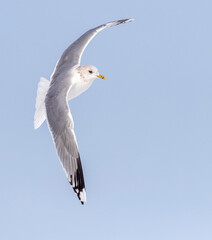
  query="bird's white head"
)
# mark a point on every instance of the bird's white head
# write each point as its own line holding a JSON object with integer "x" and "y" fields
{"x": 89, "y": 72}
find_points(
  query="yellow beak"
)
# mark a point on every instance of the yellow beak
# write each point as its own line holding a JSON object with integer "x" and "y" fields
{"x": 101, "y": 76}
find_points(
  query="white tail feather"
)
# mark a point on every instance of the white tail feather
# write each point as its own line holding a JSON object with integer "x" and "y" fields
{"x": 40, "y": 109}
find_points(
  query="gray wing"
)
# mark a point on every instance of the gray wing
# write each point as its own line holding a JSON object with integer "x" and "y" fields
{"x": 61, "y": 126}
{"x": 72, "y": 55}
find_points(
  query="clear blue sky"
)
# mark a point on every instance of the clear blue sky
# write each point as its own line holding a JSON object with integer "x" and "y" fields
{"x": 144, "y": 135}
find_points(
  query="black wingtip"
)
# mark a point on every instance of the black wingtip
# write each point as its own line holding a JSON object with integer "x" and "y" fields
{"x": 81, "y": 194}
{"x": 125, "y": 20}
{"x": 77, "y": 181}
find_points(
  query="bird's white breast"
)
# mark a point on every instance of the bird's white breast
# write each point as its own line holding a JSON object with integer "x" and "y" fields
{"x": 79, "y": 85}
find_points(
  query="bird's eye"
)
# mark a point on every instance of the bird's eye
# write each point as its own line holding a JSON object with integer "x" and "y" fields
{"x": 90, "y": 72}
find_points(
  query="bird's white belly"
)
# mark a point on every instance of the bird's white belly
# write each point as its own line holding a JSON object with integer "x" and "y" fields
{"x": 78, "y": 88}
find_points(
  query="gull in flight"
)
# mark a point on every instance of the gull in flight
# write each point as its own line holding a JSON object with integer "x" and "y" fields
{"x": 68, "y": 81}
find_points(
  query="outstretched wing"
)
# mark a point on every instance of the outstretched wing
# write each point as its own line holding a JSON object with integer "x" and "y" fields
{"x": 72, "y": 55}
{"x": 61, "y": 126}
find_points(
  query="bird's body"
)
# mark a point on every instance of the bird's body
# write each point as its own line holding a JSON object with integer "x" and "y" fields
{"x": 68, "y": 81}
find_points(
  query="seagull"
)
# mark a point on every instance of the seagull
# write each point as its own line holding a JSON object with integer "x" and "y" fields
{"x": 68, "y": 80}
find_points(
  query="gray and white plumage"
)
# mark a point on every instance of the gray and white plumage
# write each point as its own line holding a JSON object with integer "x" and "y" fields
{"x": 68, "y": 80}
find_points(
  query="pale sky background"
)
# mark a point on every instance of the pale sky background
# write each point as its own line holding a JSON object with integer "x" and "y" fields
{"x": 144, "y": 135}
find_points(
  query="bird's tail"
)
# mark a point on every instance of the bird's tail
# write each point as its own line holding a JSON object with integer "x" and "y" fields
{"x": 40, "y": 109}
